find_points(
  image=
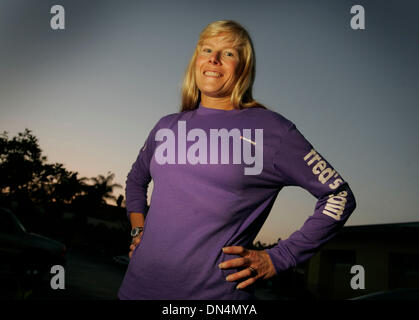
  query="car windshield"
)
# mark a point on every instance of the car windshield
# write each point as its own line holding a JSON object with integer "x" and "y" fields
{"x": 9, "y": 223}
{"x": 19, "y": 224}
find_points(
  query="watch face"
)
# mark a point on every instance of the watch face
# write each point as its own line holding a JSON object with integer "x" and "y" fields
{"x": 134, "y": 232}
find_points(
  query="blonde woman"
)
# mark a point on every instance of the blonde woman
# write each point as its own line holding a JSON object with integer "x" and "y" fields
{"x": 217, "y": 167}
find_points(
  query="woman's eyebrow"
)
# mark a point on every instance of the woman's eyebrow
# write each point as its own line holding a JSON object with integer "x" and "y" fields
{"x": 224, "y": 48}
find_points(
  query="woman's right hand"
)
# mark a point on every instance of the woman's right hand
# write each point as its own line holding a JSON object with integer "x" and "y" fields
{"x": 134, "y": 243}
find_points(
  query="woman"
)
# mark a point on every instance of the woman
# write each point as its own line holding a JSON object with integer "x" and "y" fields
{"x": 217, "y": 168}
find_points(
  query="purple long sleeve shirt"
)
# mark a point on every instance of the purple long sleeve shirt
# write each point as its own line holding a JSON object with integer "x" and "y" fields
{"x": 210, "y": 195}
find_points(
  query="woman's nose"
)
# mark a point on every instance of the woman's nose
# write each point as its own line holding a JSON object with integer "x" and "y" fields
{"x": 215, "y": 58}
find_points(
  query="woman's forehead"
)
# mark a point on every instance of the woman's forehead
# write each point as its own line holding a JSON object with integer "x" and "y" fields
{"x": 227, "y": 40}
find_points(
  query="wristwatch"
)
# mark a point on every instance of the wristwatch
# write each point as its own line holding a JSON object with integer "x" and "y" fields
{"x": 136, "y": 231}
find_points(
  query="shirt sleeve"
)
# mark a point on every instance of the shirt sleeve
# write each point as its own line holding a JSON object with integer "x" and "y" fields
{"x": 297, "y": 163}
{"x": 139, "y": 177}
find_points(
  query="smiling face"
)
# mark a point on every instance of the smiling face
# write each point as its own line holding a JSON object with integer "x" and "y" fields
{"x": 216, "y": 67}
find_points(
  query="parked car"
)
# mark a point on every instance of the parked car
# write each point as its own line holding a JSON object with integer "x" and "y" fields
{"x": 23, "y": 255}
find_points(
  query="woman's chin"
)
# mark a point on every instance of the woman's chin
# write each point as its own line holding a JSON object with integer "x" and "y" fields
{"x": 213, "y": 93}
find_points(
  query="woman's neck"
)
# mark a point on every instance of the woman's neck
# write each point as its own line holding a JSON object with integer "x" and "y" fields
{"x": 217, "y": 103}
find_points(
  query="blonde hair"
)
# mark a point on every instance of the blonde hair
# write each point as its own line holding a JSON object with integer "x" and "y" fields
{"x": 241, "y": 96}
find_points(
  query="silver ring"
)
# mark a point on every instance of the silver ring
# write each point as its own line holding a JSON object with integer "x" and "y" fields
{"x": 253, "y": 272}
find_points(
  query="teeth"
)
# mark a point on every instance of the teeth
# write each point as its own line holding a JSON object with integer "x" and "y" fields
{"x": 212, "y": 73}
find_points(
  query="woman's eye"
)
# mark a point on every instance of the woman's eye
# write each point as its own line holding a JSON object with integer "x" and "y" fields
{"x": 229, "y": 54}
{"x": 206, "y": 50}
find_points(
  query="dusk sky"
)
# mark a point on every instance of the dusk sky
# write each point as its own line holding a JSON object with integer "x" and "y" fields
{"x": 91, "y": 93}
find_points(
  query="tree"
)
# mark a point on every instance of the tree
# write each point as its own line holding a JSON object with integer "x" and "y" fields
{"x": 25, "y": 173}
{"x": 26, "y": 177}
{"x": 20, "y": 162}
{"x": 57, "y": 184}
{"x": 102, "y": 189}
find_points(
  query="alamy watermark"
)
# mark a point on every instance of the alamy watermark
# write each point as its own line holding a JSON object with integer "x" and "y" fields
{"x": 58, "y": 280}
{"x": 358, "y": 20}
{"x": 358, "y": 280}
{"x": 57, "y": 21}
{"x": 197, "y": 152}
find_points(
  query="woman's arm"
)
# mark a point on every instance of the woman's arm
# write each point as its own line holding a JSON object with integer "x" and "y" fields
{"x": 299, "y": 164}
{"x": 137, "y": 183}
{"x": 138, "y": 180}
{"x": 136, "y": 219}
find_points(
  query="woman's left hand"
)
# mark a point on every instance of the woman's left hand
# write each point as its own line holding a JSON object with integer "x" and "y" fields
{"x": 257, "y": 264}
